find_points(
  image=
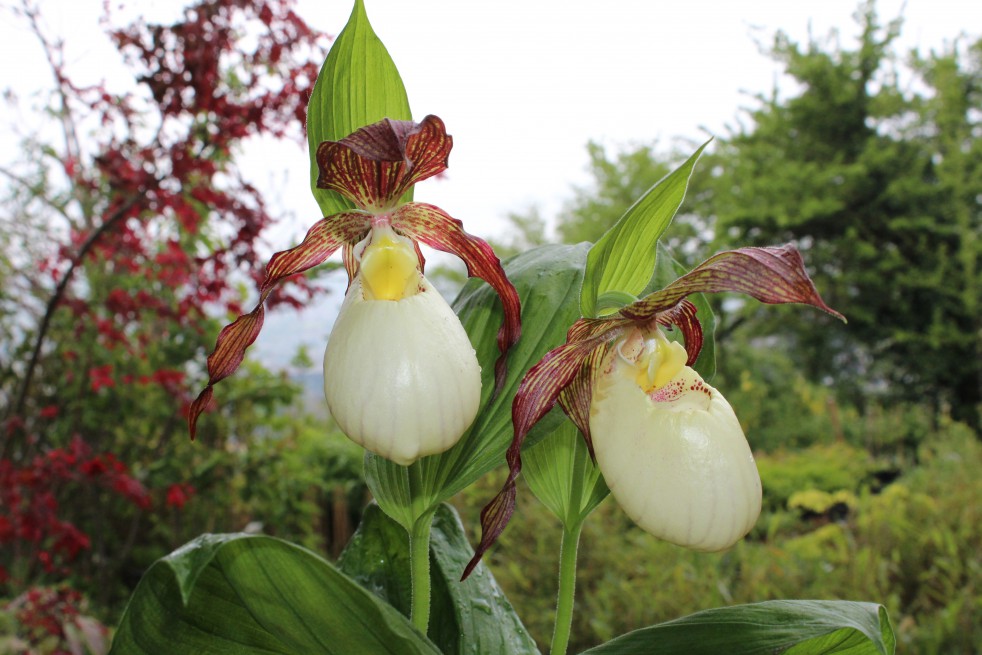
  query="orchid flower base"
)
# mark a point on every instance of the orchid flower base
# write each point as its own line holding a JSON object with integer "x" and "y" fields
{"x": 401, "y": 377}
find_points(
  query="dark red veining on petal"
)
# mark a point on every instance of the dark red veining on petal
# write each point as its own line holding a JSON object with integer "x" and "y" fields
{"x": 683, "y": 316}
{"x": 566, "y": 374}
{"x": 326, "y": 236}
{"x": 437, "y": 229}
{"x": 772, "y": 275}
{"x": 537, "y": 394}
{"x": 374, "y": 166}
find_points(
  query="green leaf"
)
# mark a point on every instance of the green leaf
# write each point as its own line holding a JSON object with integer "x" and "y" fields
{"x": 562, "y": 476}
{"x": 621, "y": 262}
{"x": 246, "y": 595}
{"x": 467, "y": 617}
{"x": 788, "y": 627}
{"x": 358, "y": 85}
{"x": 547, "y": 279}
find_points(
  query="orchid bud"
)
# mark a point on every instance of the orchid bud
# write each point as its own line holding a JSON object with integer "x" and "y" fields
{"x": 400, "y": 375}
{"x": 670, "y": 447}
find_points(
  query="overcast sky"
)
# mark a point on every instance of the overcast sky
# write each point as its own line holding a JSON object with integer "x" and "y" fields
{"x": 522, "y": 85}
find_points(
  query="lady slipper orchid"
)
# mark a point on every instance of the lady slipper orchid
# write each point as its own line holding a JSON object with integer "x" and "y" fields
{"x": 669, "y": 445}
{"x": 420, "y": 404}
{"x": 401, "y": 377}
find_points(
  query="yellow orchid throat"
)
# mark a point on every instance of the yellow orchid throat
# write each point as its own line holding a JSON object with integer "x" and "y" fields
{"x": 656, "y": 360}
{"x": 400, "y": 375}
{"x": 389, "y": 267}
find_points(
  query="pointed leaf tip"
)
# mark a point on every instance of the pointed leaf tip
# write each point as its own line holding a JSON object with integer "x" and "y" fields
{"x": 358, "y": 85}
{"x": 621, "y": 261}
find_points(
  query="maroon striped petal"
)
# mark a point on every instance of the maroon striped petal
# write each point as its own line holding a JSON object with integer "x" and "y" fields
{"x": 326, "y": 236}
{"x": 575, "y": 398}
{"x": 434, "y": 227}
{"x": 350, "y": 263}
{"x": 772, "y": 275}
{"x": 683, "y": 316}
{"x": 537, "y": 394}
{"x": 375, "y": 165}
{"x": 588, "y": 328}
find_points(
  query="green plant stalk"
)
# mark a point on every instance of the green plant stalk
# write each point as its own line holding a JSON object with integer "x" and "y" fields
{"x": 567, "y": 589}
{"x": 572, "y": 524}
{"x": 419, "y": 560}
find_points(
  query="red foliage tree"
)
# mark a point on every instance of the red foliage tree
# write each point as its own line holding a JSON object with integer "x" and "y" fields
{"x": 102, "y": 331}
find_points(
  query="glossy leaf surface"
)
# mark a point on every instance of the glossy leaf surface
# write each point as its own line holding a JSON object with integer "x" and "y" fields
{"x": 778, "y": 627}
{"x": 246, "y": 595}
{"x": 467, "y": 617}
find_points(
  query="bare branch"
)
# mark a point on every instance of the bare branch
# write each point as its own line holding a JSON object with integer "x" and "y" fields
{"x": 18, "y": 406}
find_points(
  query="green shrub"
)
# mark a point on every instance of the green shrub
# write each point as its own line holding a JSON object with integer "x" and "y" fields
{"x": 818, "y": 502}
{"x": 829, "y": 468}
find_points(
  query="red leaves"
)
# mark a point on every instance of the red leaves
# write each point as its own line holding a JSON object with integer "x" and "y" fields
{"x": 155, "y": 173}
{"x": 179, "y": 494}
{"x": 29, "y": 506}
{"x": 50, "y": 619}
{"x": 376, "y": 165}
{"x": 100, "y": 377}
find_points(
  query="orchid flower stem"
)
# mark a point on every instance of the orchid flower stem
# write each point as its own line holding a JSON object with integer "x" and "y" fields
{"x": 419, "y": 566}
{"x": 567, "y": 588}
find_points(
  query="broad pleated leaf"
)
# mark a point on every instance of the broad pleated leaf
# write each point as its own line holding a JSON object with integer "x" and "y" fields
{"x": 621, "y": 262}
{"x": 779, "y": 627}
{"x": 547, "y": 280}
{"x": 563, "y": 476}
{"x": 466, "y": 617}
{"x": 358, "y": 85}
{"x": 252, "y": 595}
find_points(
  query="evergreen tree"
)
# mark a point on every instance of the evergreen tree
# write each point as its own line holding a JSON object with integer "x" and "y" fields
{"x": 879, "y": 188}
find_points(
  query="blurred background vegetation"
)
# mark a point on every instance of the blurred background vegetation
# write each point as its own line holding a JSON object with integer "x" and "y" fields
{"x": 867, "y": 435}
